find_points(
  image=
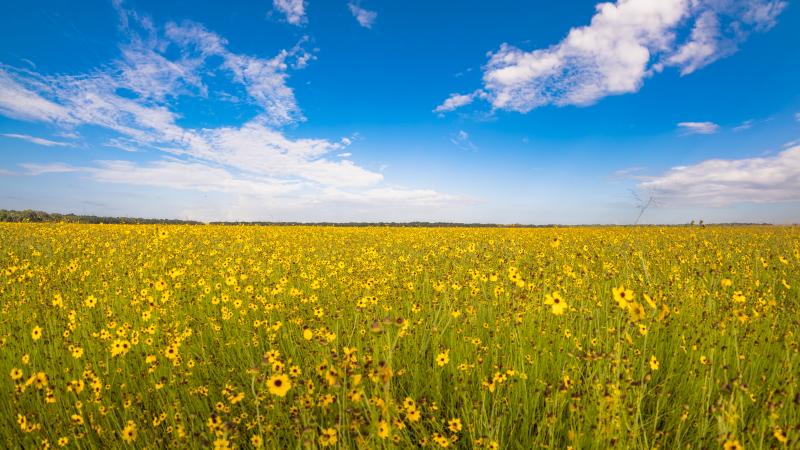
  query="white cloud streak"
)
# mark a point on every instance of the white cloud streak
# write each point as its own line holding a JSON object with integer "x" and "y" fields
{"x": 462, "y": 141}
{"x": 20, "y": 102}
{"x": 35, "y": 140}
{"x": 746, "y": 125}
{"x": 41, "y": 169}
{"x": 626, "y": 42}
{"x": 698, "y": 127}
{"x": 454, "y": 102}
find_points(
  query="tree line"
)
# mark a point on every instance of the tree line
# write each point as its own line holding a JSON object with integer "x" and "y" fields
{"x": 32, "y": 216}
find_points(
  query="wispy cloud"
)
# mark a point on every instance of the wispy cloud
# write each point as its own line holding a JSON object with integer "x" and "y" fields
{"x": 21, "y": 102}
{"x": 177, "y": 174}
{"x": 394, "y": 195}
{"x": 792, "y": 143}
{"x": 160, "y": 65}
{"x": 719, "y": 182}
{"x": 294, "y": 10}
{"x": 170, "y": 173}
{"x": 625, "y": 43}
{"x": 364, "y": 17}
{"x": 454, "y": 102}
{"x": 746, "y": 125}
{"x": 41, "y": 169}
{"x": 35, "y": 140}
{"x": 183, "y": 175}
{"x": 627, "y": 173}
{"x": 698, "y": 127}
{"x": 257, "y": 148}
{"x": 462, "y": 141}
{"x": 264, "y": 79}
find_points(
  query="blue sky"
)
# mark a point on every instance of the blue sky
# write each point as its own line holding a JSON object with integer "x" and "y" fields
{"x": 310, "y": 110}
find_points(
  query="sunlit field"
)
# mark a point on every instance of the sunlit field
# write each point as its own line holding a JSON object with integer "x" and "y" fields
{"x": 290, "y": 337}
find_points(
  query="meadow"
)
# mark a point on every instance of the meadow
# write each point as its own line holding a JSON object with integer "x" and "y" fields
{"x": 154, "y": 336}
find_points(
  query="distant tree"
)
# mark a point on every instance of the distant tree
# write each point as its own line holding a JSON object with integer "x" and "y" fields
{"x": 643, "y": 204}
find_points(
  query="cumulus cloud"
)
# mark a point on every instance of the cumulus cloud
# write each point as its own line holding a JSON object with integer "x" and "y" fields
{"x": 699, "y": 127}
{"x": 294, "y": 10}
{"x": 35, "y": 140}
{"x": 720, "y": 182}
{"x": 625, "y": 43}
{"x": 364, "y": 17}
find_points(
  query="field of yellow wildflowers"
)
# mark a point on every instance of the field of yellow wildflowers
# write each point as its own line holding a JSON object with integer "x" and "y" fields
{"x": 289, "y": 337}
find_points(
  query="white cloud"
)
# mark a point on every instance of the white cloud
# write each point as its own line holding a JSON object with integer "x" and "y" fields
{"x": 626, "y": 42}
{"x": 345, "y": 155}
{"x": 792, "y": 143}
{"x": 392, "y": 195}
{"x": 137, "y": 98}
{"x": 170, "y": 173}
{"x": 257, "y": 148}
{"x": 719, "y": 182}
{"x": 294, "y": 10}
{"x": 703, "y": 47}
{"x": 35, "y": 140}
{"x": 455, "y": 101}
{"x": 263, "y": 79}
{"x": 152, "y": 76}
{"x": 462, "y": 141}
{"x": 364, "y": 17}
{"x": 699, "y": 127}
{"x": 95, "y": 99}
{"x": 20, "y": 102}
{"x": 147, "y": 119}
{"x": 68, "y": 134}
{"x": 627, "y": 173}
{"x": 40, "y": 169}
{"x": 126, "y": 145}
{"x": 763, "y": 14}
{"x": 184, "y": 175}
{"x": 746, "y": 125}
